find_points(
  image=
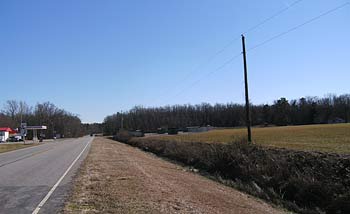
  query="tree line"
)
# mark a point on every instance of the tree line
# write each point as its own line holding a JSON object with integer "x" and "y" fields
{"x": 57, "y": 120}
{"x": 309, "y": 110}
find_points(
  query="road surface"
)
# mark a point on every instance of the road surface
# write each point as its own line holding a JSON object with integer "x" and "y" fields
{"x": 27, "y": 175}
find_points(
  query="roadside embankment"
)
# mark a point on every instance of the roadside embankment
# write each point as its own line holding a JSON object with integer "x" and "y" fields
{"x": 117, "y": 178}
{"x": 304, "y": 182}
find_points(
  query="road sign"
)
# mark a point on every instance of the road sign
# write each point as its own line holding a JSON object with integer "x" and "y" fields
{"x": 24, "y": 129}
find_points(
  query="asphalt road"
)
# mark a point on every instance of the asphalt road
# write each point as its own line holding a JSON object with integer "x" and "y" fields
{"x": 27, "y": 175}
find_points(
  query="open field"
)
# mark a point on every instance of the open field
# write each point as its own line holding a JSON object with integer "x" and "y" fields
{"x": 10, "y": 147}
{"x": 325, "y": 138}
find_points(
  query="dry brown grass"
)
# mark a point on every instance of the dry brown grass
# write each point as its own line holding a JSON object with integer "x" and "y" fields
{"x": 11, "y": 147}
{"x": 325, "y": 138}
{"x": 117, "y": 178}
{"x": 103, "y": 184}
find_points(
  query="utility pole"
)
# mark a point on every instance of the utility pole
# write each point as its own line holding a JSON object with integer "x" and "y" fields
{"x": 247, "y": 108}
{"x": 122, "y": 122}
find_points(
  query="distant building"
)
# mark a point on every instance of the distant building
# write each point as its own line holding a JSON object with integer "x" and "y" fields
{"x": 137, "y": 133}
{"x": 199, "y": 128}
{"x": 337, "y": 120}
{"x": 5, "y": 133}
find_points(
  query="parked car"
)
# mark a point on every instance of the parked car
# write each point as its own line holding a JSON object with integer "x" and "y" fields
{"x": 13, "y": 139}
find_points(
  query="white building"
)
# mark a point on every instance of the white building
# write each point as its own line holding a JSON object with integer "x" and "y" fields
{"x": 200, "y": 128}
{"x": 5, "y": 133}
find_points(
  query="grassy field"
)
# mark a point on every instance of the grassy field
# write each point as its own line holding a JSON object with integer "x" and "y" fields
{"x": 325, "y": 138}
{"x": 10, "y": 147}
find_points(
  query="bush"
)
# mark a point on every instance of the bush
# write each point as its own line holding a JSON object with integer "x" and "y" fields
{"x": 122, "y": 136}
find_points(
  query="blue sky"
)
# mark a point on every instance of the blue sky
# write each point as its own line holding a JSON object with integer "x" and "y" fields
{"x": 95, "y": 58}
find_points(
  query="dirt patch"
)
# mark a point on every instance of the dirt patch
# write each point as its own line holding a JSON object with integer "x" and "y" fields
{"x": 117, "y": 178}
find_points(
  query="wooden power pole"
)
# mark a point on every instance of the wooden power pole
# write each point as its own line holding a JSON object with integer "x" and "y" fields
{"x": 122, "y": 121}
{"x": 247, "y": 108}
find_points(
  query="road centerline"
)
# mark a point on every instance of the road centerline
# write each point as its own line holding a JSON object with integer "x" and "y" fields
{"x": 25, "y": 157}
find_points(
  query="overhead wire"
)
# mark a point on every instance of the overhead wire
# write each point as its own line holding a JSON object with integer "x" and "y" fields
{"x": 253, "y": 28}
{"x": 213, "y": 56}
{"x": 272, "y": 16}
{"x": 299, "y": 26}
{"x": 268, "y": 40}
{"x": 207, "y": 74}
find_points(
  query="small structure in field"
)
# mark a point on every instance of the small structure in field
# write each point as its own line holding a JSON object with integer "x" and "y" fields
{"x": 137, "y": 133}
{"x": 200, "y": 128}
{"x": 336, "y": 120}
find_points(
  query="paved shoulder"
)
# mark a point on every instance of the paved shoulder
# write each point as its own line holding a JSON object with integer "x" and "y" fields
{"x": 117, "y": 178}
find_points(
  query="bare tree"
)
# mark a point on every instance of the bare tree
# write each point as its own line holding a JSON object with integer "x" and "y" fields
{"x": 309, "y": 110}
{"x": 24, "y": 110}
{"x": 11, "y": 108}
{"x": 57, "y": 120}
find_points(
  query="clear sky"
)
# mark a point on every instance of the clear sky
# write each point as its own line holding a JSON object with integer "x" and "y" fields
{"x": 94, "y": 57}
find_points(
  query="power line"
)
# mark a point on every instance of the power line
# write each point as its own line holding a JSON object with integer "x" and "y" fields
{"x": 299, "y": 26}
{"x": 254, "y": 27}
{"x": 213, "y": 56}
{"x": 207, "y": 74}
{"x": 266, "y": 41}
{"x": 271, "y": 17}
{"x": 263, "y": 43}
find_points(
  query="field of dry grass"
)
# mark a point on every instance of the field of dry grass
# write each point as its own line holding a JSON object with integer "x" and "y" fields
{"x": 325, "y": 138}
{"x": 10, "y": 147}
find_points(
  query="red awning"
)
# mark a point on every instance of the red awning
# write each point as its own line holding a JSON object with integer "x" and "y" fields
{"x": 7, "y": 129}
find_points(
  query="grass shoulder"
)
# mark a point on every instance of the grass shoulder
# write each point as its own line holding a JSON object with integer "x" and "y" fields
{"x": 10, "y": 147}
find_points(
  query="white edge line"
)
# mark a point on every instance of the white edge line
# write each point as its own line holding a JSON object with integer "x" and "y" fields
{"x": 41, "y": 204}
